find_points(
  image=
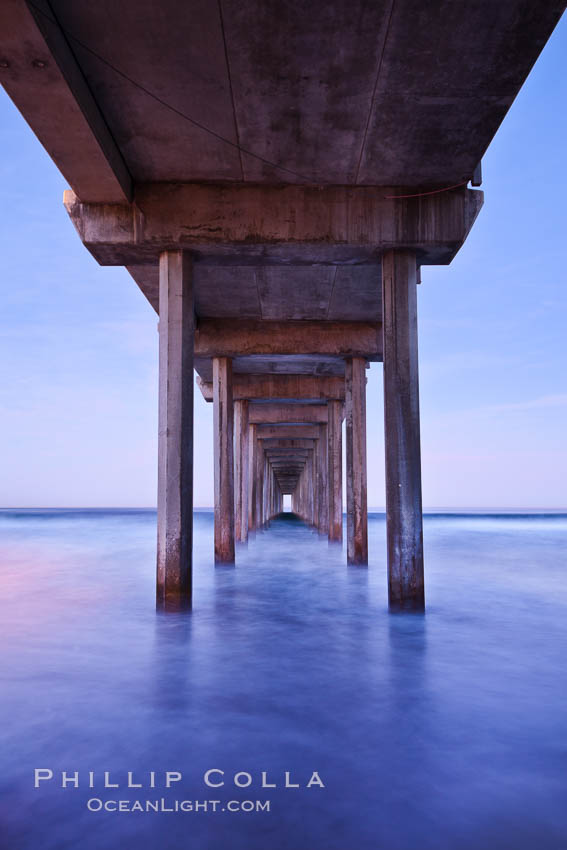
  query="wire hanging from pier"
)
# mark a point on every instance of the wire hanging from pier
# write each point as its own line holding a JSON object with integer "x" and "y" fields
{"x": 52, "y": 18}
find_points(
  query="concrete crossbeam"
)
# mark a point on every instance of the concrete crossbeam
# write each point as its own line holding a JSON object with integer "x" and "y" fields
{"x": 300, "y": 431}
{"x": 280, "y": 387}
{"x": 232, "y": 338}
{"x": 287, "y": 452}
{"x": 292, "y": 223}
{"x": 274, "y": 443}
{"x": 266, "y": 414}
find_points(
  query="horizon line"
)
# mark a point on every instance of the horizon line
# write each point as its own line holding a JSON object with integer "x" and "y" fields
{"x": 374, "y": 509}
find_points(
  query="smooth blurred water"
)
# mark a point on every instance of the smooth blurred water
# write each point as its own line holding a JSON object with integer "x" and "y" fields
{"x": 438, "y": 731}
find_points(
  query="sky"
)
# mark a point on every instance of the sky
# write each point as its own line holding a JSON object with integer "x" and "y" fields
{"x": 79, "y": 343}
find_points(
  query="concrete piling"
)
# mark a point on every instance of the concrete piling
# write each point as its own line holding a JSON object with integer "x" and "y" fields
{"x": 357, "y": 510}
{"x": 175, "y": 442}
{"x": 241, "y": 444}
{"x": 402, "y": 433}
{"x": 223, "y": 441}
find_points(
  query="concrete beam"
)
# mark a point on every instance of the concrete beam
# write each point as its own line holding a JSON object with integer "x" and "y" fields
{"x": 45, "y": 81}
{"x": 175, "y": 445}
{"x": 288, "y": 462}
{"x": 286, "y": 459}
{"x": 274, "y": 224}
{"x": 273, "y": 443}
{"x": 280, "y": 387}
{"x": 266, "y": 414}
{"x": 282, "y": 454}
{"x": 301, "y": 431}
{"x": 233, "y": 338}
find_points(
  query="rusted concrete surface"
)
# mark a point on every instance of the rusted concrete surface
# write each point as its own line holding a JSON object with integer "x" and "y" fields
{"x": 323, "y": 467}
{"x": 241, "y": 472}
{"x": 280, "y": 388}
{"x": 402, "y": 437}
{"x": 293, "y": 225}
{"x": 290, "y": 414}
{"x": 335, "y": 474}
{"x": 175, "y": 445}
{"x": 290, "y": 293}
{"x": 229, "y": 338}
{"x": 223, "y": 443}
{"x": 356, "y": 472}
{"x": 301, "y": 431}
{"x": 379, "y": 94}
{"x": 252, "y": 484}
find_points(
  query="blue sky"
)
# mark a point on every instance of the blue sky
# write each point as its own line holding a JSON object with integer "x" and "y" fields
{"x": 78, "y": 343}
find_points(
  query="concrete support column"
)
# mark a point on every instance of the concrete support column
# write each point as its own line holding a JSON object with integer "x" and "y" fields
{"x": 274, "y": 495}
{"x": 175, "y": 446}
{"x": 241, "y": 442}
{"x": 357, "y": 508}
{"x": 223, "y": 425}
{"x": 266, "y": 500}
{"x": 311, "y": 488}
{"x": 323, "y": 481}
{"x": 335, "y": 473}
{"x": 273, "y": 498}
{"x": 252, "y": 450}
{"x": 315, "y": 486}
{"x": 401, "y": 418}
{"x": 259, "y": 484}
{"x": 306, "y": 473}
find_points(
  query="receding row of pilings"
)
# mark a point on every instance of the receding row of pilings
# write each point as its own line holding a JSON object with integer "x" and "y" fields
{"x": 258, "y": 461}
{"x": 302, "y": 458}
{"x": 263, "y": 451}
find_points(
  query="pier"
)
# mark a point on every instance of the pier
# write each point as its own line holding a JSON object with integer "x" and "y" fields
{"x": 274, "y": 178}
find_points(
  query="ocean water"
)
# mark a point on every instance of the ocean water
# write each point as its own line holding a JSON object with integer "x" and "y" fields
{"x": 438, "y": 731}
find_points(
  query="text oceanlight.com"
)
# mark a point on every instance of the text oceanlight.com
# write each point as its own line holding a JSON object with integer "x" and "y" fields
{"x": 95, "y": 804}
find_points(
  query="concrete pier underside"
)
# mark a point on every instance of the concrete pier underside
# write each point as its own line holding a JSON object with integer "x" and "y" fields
{"x": 273, "y": 178}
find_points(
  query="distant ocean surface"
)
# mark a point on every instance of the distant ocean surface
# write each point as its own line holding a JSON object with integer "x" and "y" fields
{"x": 443, "y": 731}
